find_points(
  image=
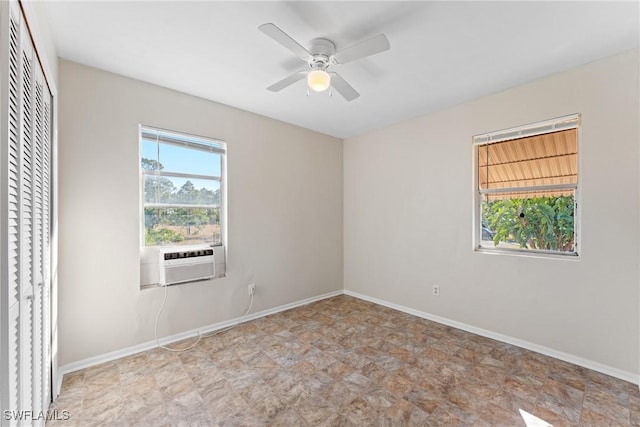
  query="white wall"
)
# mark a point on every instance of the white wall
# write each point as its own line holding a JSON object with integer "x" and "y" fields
{"x": 408, "y": 217}
{"x": 285, "y": 213}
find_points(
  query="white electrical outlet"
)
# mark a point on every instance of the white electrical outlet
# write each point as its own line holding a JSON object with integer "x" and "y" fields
{"x": 252, "y": 289}
{"x": 436, "y": 290}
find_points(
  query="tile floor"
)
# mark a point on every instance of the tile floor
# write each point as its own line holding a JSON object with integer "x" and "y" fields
{"x": 344, "y": 362}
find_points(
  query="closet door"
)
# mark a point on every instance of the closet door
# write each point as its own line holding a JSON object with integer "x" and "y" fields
{"x": 44, "y": 285}
{"x": 11, "y": 291}
{"x": 26, "y": 224}
{"x": 40, "y": 233}
{"x": 25, "y": 333}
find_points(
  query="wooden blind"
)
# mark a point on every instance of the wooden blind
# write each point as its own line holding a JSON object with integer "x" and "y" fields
{"x": 540, "y": 160}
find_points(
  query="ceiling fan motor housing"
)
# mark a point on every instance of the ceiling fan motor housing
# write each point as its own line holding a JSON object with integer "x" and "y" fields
{"x": 322, "y": 51}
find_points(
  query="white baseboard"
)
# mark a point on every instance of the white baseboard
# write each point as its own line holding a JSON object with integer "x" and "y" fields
{"x": 599, "y": 367}
{"x": 108, "y": 357}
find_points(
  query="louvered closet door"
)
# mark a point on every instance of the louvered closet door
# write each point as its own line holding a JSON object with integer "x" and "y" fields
{"x": 40, "y": 251}
{"x": 26, "y": 224}
{"x": 44, "y": 285}
{"x": 25, "y": 323}
{"x": 38, "y": 231}
{"x": 11, "y": 303}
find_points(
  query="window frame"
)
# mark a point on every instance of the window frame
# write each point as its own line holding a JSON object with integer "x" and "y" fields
{"x": 572, "y": 121}
{"x": 183, "y": 139}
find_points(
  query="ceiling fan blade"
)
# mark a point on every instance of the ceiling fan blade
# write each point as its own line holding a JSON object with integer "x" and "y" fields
{"x": 368, "y": 47}
{"x": 287, "y": 81}
{"x": 343, "y": 88}
{"x": 285, "y": 40}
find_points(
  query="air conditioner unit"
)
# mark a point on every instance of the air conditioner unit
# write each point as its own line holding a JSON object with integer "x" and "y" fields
{"x": 187, "y": 265}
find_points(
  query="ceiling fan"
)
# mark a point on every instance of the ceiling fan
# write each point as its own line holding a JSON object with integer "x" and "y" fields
{"x": 320, "y": 56}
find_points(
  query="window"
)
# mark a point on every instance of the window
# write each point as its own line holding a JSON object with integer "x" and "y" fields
{"x": 527, "y": 184}
{"x": 182, "y": 188}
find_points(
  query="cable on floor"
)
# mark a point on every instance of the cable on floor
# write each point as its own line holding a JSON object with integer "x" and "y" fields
{"x": 200, "y": 334}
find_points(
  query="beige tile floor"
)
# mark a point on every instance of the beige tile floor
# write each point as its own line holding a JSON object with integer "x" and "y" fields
{"x": 344, "y": 362}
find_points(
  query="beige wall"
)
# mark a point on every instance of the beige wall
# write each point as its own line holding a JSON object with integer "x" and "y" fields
{"x": 285, "y": 213}
{"x": 408, "y": 218}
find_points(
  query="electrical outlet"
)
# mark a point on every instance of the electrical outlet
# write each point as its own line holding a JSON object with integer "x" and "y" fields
{"x": 252, "y": 289}
{"x": 436, "y": 290}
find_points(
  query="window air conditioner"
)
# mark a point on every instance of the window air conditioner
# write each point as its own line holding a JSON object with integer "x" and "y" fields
{"x": 179, "y": 266}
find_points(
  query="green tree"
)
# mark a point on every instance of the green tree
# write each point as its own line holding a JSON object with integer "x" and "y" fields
{"x": 154, "y": 237}
{"x": 156, "y": 189}
{"x": 535, "y": 223}
{"x": 190, "y": 217}
{"x": 207, "y": 196}
{"x": 159, "y": 189}
{"x": 187, "y": 193}
{"x": 150, "y": 164}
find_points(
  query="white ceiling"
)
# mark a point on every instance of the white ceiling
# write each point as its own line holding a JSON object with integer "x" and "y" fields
{"x": 442, "y": 53}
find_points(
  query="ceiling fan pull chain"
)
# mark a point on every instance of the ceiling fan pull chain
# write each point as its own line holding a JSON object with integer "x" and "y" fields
{"x": 307, "y": 92}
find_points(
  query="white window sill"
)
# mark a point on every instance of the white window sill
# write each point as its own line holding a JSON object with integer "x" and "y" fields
{"x": 527, "y": 253}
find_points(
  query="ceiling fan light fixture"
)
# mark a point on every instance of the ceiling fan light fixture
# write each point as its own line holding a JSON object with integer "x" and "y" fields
{"x": 318, "y": 80}
{"x": 321, "y": 55}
